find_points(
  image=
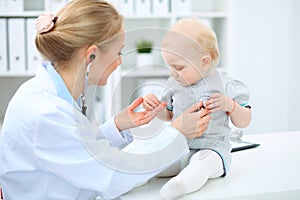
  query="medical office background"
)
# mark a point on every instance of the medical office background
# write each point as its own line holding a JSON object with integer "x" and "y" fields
{"x": 259, "y": 42}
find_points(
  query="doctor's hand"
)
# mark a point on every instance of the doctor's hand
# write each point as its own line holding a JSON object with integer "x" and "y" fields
{"x": 128, "y": 118}
{"x": 193, "y": 122}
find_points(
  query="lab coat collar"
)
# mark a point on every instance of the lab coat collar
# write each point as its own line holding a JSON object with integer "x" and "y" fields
{"x": 60, "y": 86}
{"x": 56, "y": 86}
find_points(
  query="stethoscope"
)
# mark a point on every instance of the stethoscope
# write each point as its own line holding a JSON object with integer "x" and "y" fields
{"x": 83, "y": 104}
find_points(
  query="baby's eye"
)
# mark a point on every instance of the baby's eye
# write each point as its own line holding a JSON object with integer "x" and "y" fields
{"x": 177, "y": 67}
{"x": 120, "y": 53}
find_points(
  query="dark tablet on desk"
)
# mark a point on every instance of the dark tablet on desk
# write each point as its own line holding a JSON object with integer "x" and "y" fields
{"x": 239, "y": 146}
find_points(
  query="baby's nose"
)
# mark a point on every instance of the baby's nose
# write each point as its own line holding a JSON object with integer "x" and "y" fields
{"x": 174, "y": 73}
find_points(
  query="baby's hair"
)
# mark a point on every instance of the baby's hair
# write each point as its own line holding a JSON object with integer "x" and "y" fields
{"x": 200, "y": 35}
{"x": 79, "y": 24}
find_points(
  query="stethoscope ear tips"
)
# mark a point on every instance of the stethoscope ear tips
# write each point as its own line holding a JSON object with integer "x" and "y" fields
{"x": 92, "y": 57}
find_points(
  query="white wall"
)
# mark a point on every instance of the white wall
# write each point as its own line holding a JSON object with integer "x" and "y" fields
{"x": 263, "y": 43}
{"x": 294, "y": 86}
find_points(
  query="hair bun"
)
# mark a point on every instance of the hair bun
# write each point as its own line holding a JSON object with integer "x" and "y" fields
{"x": 45, "y": 22}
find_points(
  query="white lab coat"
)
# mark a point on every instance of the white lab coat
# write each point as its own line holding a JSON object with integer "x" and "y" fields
{"x": 48, "y": 150}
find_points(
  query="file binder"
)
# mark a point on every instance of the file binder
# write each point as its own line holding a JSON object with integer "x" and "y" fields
{"x": 126, "y": 7}
{"x": 183, "y": 7}
{"x": 3, "y": 7}
{"x": 160, "y": 7}
{"x": 33, "y": 56}
{"x": 16, "y": 40}
{"x": 3, "y": 47}
{"x": 142, "y": 7}
{"x": 15, "y": 6}
{"x": 55, "y": 5}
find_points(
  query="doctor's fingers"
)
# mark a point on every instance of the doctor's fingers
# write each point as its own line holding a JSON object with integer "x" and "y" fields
{"x": 156, "y": 110}
{"x": 159, "y": 107}
{"x": 204, "y": 121}
{"x": 201, "y": 126}
{"x": 149, "y": 115}
{"x": 135, "y": 104}
{"x": 145, "y": 119}
{"x": 194, "y": 108}
{"x": 136, "y": 118}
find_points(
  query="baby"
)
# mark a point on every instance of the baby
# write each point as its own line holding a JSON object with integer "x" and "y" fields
{"x": 191, "y": 50}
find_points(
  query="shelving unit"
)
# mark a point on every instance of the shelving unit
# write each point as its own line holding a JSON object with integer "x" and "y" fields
{"x": 16, "y": 53}
{"x": 126, "y": 82}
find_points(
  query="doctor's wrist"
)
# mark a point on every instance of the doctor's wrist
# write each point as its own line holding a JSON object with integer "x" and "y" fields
{"x": 117, "y": 124}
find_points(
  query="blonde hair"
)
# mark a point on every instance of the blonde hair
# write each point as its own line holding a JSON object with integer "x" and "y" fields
{"x": 80, "y": 23}
{"x": 199, "y": 34}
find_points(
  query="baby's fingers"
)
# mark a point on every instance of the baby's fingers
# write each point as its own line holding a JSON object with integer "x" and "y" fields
{"x": 215, "y": 95}
{"x": 152, "y": 99}
{"x": 148, "y": 106}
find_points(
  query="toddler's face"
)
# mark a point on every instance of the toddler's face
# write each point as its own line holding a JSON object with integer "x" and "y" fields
{"x": 184, "y": 69}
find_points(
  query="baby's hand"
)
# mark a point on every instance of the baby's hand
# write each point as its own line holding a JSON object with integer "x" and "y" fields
{"x": 219, "y": 102}
{"x": 150, "y": 102}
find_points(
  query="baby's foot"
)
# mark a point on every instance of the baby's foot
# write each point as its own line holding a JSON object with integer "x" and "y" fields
{"x": 173, "y": 189}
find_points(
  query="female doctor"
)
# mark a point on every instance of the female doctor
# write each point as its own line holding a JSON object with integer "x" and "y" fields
{"x": 48, "y": 148}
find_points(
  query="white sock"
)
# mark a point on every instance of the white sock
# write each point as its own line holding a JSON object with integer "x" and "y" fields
{"x": 203, "y": 165}
{"x": 173, "y": 189}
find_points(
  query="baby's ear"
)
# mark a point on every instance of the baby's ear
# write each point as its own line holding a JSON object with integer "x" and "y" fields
{"x": 205, "y": 62}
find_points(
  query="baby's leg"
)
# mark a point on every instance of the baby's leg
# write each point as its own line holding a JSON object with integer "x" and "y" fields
{"x": 171, "y": 171}
{"x": 204, "y": 165}
{"x": 177, "y": 167}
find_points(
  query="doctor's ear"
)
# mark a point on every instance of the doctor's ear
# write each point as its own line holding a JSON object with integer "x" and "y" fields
{"x": 90, "y": 53}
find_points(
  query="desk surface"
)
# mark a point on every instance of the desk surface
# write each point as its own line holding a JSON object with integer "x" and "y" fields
{"x": 270, "y": 171}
